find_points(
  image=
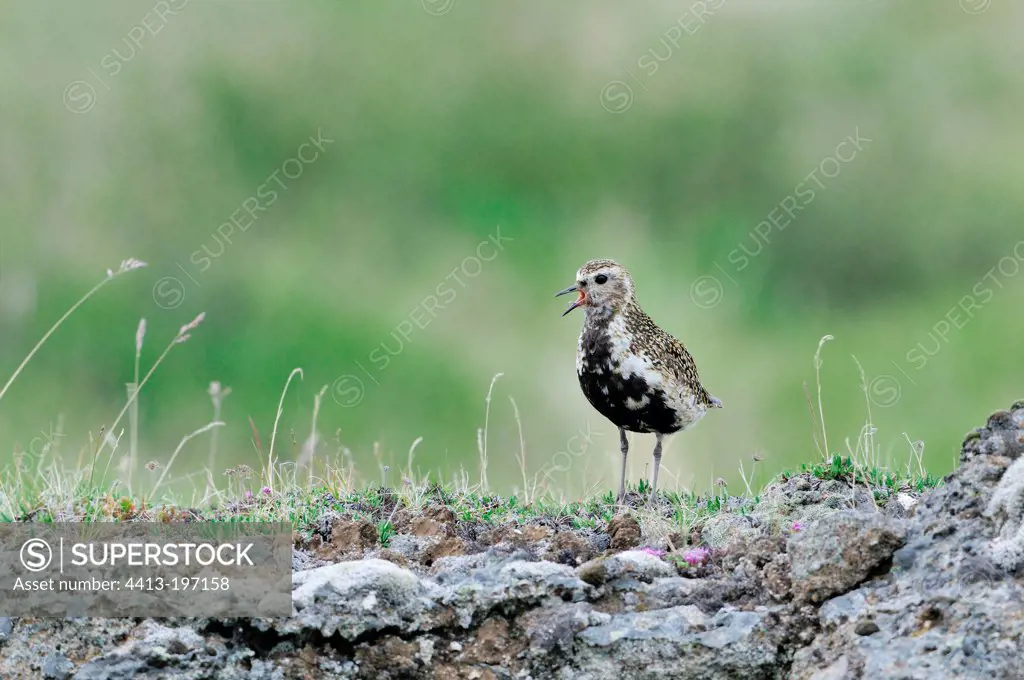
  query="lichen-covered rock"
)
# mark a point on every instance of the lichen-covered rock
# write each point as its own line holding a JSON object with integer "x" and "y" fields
{"x": 1006, "y": 508}
{"x": 179, "y": 650}
{"x": 57, "y": 667}
{"x": 554, "y": 628}
{"x": 680, "y": 642}
{"x": 30, "y": 641}
{"x": 634, "y": 564}
{"x": 509, "y": 587}
{"x": 945, "y": 608}
{"x": 830, "y": 557}
{"x": 6, "y": 628}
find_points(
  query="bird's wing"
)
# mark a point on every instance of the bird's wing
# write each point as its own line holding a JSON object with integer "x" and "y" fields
{"x": 685, "y": 369}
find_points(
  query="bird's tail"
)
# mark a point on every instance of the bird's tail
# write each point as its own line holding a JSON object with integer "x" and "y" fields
{"x": 715, "y": 402}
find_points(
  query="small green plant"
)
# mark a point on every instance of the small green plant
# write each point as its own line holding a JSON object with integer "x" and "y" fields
{"x": 835, "y": 467}
{"x": 385, "y": 530}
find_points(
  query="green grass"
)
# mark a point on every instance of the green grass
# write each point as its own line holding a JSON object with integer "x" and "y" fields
{"x": 303, "y": 505}
{"x": 305, "y": 508}
{"x": 883, "y": 482}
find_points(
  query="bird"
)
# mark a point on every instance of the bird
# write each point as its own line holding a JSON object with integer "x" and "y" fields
{"x": 634, "y": 373}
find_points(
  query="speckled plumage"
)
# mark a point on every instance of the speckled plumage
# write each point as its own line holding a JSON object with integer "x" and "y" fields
{"x": 634, "y": 373}
{"x": 638, "y": 376}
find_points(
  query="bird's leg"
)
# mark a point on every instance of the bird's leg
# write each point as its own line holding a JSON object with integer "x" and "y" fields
{"x": 657, "y": 465}
{"x": 624, "y": 446}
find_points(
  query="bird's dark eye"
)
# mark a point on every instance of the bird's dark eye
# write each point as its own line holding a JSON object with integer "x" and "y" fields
{"x": 600, "y": 278}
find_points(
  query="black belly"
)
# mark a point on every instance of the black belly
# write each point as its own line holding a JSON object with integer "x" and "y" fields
{"x": 656, "y": 416}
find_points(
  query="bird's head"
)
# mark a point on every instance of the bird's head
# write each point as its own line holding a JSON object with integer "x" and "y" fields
{"x": 603, "y": 288}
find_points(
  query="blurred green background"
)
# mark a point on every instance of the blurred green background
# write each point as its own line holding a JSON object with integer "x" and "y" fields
{"x": 668, "y": 136}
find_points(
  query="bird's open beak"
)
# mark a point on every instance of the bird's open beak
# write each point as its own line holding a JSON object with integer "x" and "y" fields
{"x": 579, "y": 301}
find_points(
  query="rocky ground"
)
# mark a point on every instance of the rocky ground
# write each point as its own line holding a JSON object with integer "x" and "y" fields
{"x": 925, "y": 586}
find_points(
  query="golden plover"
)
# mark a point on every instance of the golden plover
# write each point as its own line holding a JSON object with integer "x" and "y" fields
{"x": 634, "y": 373}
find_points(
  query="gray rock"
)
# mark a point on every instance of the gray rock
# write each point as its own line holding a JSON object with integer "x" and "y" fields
{"x": 633, "y": 564}
{"x": 944, "y": 609}
{"x": 673, "y": 624}
{"x": 842, "y": 609}
{"x": 112, "y": 668}
{"x": 410, "y": 547}
{"x": 729, "y": 627}
{"x": 353, "y": 598}
{"x": 680, "y": 642}
{"x": 511, "y": 585}
{"x": 867, "y": 627}
{"x": 56, "y": 666}
{"x": 833, "y": 555}
{"x": 151, "y": 646}
{"x": 555, "y": 627}
{"x": 303, "y": 560}
{"x": 672, "y": 591}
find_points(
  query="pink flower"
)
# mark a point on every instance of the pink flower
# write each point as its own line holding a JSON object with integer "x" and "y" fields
{"x": 248, "y": 495}
{"x": 266, "y": 491}
{"x": 696, "y": 556}
{"x": 653, "y": 552}
{"x": 797, "y": 526}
